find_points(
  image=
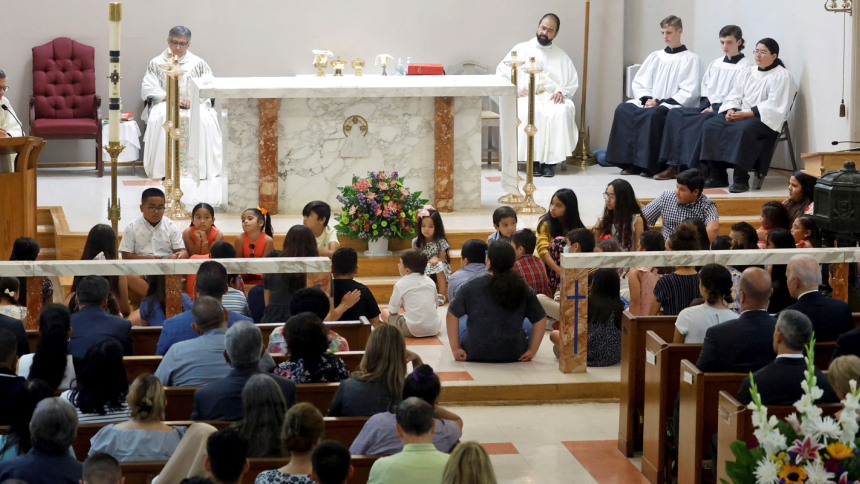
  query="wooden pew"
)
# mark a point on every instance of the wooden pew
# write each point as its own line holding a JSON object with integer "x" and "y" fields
{"x": 633, "y": 329}
{"x": 662, "y": 363}
{"x": 341, "y": 429}
{"x": 735, "y": 423}
{"x": 180, "y": 400}
{"x": 144, "y": 472}
{"x": 699, "y": 415}
{"x": 138, "y": 365}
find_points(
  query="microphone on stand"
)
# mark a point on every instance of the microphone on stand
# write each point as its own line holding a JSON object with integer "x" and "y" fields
{"x": 6, "y": 108}
{"x": 834, "y": 143}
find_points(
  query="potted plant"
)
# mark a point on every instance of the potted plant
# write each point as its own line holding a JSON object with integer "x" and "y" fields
{"x": 378, "y": 208}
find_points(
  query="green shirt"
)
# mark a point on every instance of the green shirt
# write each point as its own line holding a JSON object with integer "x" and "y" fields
{"x": 416, "y": 464}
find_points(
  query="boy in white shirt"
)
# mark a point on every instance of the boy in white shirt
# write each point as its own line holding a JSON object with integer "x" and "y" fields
{"x": 416, "y": 294}
{"x": 152, "y": 236}
{"x": 315, "y": 216}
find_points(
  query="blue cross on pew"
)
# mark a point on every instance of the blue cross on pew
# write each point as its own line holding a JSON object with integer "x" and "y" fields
{"x": 576, "y": 297}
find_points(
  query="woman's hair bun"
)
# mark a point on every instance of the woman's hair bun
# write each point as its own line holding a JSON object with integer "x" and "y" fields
{"x": 687, "y": 231}
{"x": 423, "y": 373}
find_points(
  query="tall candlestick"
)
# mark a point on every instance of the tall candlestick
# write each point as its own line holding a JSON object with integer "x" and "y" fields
{"x": 114, "y": 148}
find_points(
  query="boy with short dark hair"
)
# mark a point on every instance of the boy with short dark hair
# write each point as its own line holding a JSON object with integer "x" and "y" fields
{"x": 345, "y": 289}
{"x": 416, "y": 293}
{"x": 315, "y": 216}
{"x": 102, "y": 468}
{"x": 528, "y": 266}
{"x": 152, "y": 236}
{"x": 331, "y": 463}
{"x": 227, "y": 456}
{"x": 505, "y": 223}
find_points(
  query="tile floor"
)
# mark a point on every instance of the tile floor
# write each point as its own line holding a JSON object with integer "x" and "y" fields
{"x": 84, "y": 196}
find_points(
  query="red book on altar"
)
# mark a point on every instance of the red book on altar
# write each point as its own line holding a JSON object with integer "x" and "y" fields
{"x": 425, "y": 70}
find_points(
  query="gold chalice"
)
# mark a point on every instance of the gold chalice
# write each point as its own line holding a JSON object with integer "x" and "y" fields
{"x": 358, "y": 65}
{"x": 320, "y": 62}
{"x": 338, "y": 66}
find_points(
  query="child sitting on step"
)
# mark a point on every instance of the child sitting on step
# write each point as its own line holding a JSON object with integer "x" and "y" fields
{"x": 416, "y": 294}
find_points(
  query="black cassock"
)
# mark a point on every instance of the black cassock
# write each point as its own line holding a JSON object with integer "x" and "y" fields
{"x": 635, "y": 137}
{"x": 743, "y": 145}
{"x": 681, "y": 135}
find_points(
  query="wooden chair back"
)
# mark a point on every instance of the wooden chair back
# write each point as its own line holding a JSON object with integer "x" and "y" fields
{"x": 735, "y": 423}
{"x": 699, "y": 415}
{"x": 181, "y": 399}
{"x": 632, "y": 398}
{"x": 662, "y": 363}
{"x": 144, "y": 472}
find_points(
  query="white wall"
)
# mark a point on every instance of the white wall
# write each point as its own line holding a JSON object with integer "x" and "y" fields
{"x": 275, "y": 38}
{"x": 810, "y": 42}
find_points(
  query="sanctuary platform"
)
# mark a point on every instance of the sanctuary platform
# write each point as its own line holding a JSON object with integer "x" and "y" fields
{"x": 289, "y": 140}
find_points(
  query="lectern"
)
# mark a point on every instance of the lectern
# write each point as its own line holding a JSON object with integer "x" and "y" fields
{"x": 18, "y": 191}
{"x": 817, "y": 164}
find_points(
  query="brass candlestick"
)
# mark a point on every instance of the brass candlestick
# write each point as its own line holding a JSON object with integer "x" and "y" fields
{"x": 583, "y": 146}
{"x": 114, "y": 208}
{"x": 115, "y": 104}
{"x": 167, "y": 183}
{"x": 529, "y": 205}
{"x": 512, "y": 199}
{"x": 176, "y": 211}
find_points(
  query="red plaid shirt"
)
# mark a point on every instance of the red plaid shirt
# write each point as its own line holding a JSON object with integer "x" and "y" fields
{"x": 533, "y": 271}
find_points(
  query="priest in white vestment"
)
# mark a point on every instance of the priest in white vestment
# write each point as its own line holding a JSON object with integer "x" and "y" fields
{"x": 554, "y": 89}
{"x": 9, "y": 126}
{"x": 680, "y": 145}
{"x": 667, "y": 79}
{"x": 155, "y": 85}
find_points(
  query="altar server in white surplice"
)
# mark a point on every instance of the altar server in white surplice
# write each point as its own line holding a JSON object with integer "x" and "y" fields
{"x": 668, "y": 79}
{"x": 155, "y": 85}
{"x": 554, "y": 88}
{"x": 750, "y": 120}
{"x": 9, "y": 126}
{"x": 684, "y": 125}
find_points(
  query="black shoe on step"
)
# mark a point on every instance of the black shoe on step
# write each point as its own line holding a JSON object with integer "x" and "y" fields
{"x": 536, "y": 171}
{"x": 738, "y": 187}
{"x": 547, "y": 170}
{"x": 716, "y": 182}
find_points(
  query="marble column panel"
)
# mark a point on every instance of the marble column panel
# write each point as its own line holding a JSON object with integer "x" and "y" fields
{"x": 34, "y": 301}
{"x": 321, "y": 280}
{"x": 173, "y": 295}
{"x": 241, "y": 150}
{"x": 268, "y": 154}
{"x": 573, "y": 355}
{"x": 443, "y": 181}
{"x": 840, "y": 282}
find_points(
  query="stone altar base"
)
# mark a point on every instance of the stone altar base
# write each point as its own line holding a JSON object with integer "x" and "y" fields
{"x": 312, "y": 160}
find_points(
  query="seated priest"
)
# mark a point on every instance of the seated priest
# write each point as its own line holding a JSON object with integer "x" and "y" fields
{"x": 668, "y": 79}
{"x": 684, "y": 125}
{"x": 9, "y": 125}
{"x": 155, "y": 85}
{"x": 554, "y": 87}
{"x": 753, "y": 114}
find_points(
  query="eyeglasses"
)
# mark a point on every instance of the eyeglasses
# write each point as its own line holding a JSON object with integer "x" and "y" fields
{"x": 154, "y": 209}
{"x": 761, "y": 52}
{"x": 179, "y": 44}
{"x": 4, "y": 89}
{"x": 546, "y": 30}
{"x": 608, "y": 196}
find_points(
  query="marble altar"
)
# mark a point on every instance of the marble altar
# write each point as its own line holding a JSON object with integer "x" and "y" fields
{"x": 285, "y": 142}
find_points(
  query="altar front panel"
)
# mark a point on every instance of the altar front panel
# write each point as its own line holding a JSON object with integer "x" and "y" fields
{"x": 311, "y": 164}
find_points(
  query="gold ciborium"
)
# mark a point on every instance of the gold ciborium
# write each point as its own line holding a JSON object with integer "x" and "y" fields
{"x": 320, "y": 62}
{"x": 338, "y": 66}
{"x": 358, "y": 65}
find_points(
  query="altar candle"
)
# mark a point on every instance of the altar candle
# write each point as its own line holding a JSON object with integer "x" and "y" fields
{"x": 532, "y": 63}
{"x": 514, "y": 56}
{"x": 115, "y": 17}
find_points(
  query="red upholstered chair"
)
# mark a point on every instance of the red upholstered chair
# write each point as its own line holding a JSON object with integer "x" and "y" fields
{"x": 64, "y": 104}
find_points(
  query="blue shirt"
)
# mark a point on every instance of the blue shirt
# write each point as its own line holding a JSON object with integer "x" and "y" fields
{"x": 37, "y": 467}
{"x": 152, "y": 312}
{"x": 464, "y": 275}
{"x": 178, "y": 328}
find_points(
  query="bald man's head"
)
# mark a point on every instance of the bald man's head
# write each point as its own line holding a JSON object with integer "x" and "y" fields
{"x": 755, "y": 289}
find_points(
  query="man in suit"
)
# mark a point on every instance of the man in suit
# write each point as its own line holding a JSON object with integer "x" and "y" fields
{"x": 744, "y": 344}
{"x": 211, "y": 281}
{"x": 92, "y": 323}
{"x": 779, "y": 382}
{"x": 222, "y": 399}
{"x": 830, "y": 317}
{"x": 10, "y": 382}
{"x": 16, "y": 327}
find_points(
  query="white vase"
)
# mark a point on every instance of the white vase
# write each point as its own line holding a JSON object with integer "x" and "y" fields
{"x": 379, "y": 247}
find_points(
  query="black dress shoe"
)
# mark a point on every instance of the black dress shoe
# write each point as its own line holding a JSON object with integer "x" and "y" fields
{"x": 536, "y": 169}
{"x": 547, "y": 170}
{"x": 630, "y": 171}
{"x": 645, "y": 174}
{"x": 739, "y": 187}
{"x": 716, "y": 182}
